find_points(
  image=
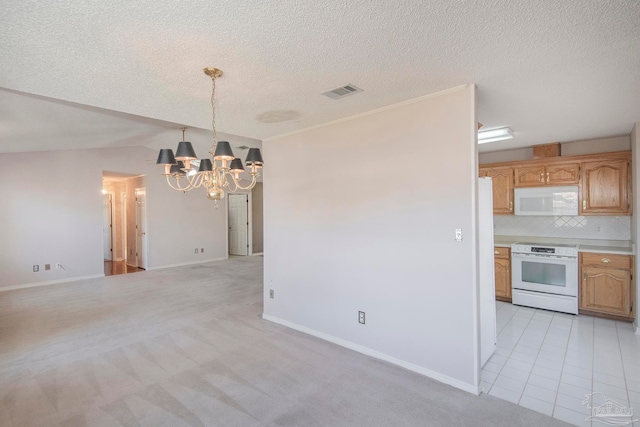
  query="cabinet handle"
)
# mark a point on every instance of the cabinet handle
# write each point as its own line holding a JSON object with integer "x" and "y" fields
{"x": 584, "y": 204}
{"x": 511, "y": 206}
{"x": 606, "y": 260}
{"x": 584, "y": 275}
{"x": 547, "y": 177}
{"x": 496, "y": 252}
{"x": 542, "y": 177}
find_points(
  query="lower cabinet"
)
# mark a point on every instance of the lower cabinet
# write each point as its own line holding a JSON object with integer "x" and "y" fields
{"x": 502, "y": 267}
{"x": 607, "y": 288}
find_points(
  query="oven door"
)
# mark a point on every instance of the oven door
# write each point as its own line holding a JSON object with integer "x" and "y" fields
{"x": 551, "y": 274}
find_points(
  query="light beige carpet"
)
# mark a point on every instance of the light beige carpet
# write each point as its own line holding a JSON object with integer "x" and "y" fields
{"x": 187, "y": 347}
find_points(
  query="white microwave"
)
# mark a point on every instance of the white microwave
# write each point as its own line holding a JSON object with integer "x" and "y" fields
{"x": 546, "y": 201}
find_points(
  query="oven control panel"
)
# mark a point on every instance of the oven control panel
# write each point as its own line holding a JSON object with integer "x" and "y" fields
{"x": 537, "y": 249}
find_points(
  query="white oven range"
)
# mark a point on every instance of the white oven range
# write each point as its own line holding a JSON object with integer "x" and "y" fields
{"x": 545, "y": 276}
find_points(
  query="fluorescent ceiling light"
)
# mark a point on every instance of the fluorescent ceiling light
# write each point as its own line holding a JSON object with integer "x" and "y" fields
{"x": 493, "y": 135}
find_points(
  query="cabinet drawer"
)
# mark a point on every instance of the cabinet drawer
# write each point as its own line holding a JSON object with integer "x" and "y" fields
{"x": 607, "y": 260}
{"x": 501, "y": 252}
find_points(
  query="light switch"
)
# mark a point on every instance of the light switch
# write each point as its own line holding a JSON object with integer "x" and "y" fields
{"x": 458, "y": 234}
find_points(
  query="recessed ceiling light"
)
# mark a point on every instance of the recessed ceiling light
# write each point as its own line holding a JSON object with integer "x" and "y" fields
{"x": 493, "y": 135}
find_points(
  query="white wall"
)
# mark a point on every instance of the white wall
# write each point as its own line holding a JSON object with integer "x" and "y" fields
{"x": 350, "y": 225}
{"x": 52, "y": 213}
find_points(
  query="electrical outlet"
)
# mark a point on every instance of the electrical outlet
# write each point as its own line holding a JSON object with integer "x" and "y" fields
{"x": 361, "y": 317}
{"x": 201, "y": 250}
{"x": 598, "y": 229}
{"x": 47, "y": 266}
{"x": 196, "y": 250}
{"x": 458, "y": 234}
{"x": 36, "y": 268}
{"x": 271, "y": 293}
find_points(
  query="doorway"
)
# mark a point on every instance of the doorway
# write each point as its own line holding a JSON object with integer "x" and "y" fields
{"x": 141, "y": 228}
{"x": 238, "y": 224}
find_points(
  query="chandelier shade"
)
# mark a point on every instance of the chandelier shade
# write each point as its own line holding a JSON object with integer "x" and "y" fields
{"x": 205, "y": 165}
{"x": 236, "y": 166}
{"x": 185, "y": 151}
{"x": 223, "y": 151}
{"x": 254, "y": 157}
{"x": 177, "y": 169}
{"x": 166, "y": 157}
{"x": 216, "y": 175}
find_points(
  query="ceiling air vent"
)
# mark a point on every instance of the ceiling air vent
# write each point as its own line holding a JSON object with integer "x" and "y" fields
{"x": 342, "y": 91}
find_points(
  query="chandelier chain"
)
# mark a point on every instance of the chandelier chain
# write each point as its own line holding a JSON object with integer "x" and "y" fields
{"x": 213, "y": 113}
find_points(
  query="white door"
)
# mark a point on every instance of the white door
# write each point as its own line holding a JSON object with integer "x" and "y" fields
{"x": 106, "y": 226}
{"x": 238, "y": 224}
{"x": 141, "y": 228}
{"x": 125, "y": 251}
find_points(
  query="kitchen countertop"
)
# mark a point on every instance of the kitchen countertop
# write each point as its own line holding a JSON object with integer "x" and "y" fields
{"x": 619, "y": 247}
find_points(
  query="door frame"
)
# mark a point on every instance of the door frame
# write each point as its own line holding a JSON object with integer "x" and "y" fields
{"x": 112, "y": 220}
{"x": 145, "y": 237}
{"x": 249, "y": 220}
{"x": 125, "y": 250}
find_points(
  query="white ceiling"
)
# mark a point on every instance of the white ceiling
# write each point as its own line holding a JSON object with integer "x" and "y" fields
{"x": 119, "y": 74}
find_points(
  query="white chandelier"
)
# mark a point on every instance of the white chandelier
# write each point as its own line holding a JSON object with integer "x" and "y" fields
{"x": 211, "y": 174}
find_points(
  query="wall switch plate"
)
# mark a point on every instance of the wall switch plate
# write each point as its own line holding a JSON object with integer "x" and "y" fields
{"x": 201, "y": 250}
{"x": 47, "y": 266}
{"x": 458, "y": 234}
{"x": 36, "y": 268}
{"x": 271, "y": 293}
{"x": 361, "y": 317}
{"x": 196, "y": 250}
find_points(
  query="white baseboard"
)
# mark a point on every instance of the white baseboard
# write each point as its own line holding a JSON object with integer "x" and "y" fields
{"x": 382, "y": 356}
{"x": 160, "y": 267}
{"x": 51, "y": 282}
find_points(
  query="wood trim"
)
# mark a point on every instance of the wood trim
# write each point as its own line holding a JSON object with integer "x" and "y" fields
{"x": 546, "y": 150}
{"x": 562, "y": 159}
{"x": 606, "y": 316}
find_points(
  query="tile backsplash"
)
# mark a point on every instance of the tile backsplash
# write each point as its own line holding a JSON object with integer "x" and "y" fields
{"x": 573, "y": 227}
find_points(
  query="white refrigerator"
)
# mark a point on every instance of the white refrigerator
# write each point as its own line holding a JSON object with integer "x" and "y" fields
{"x": 486, "y": 270}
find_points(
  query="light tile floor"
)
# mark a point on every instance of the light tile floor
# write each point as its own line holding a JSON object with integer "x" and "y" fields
{"x": 549, "y": 362}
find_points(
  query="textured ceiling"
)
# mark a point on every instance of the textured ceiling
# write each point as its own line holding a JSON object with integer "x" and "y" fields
{"x": 551, "y": 70}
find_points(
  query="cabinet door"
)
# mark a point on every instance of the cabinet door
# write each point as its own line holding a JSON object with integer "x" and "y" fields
{"x": 562, "y": 174}
{"x": 482, "y": 172}
{"x": 502, "y": 189}
{"x": 503, "y": 278}
{"x": 530, "y": 176}
{"x": 606, "y": 290}
{"x": 604, "y": 188}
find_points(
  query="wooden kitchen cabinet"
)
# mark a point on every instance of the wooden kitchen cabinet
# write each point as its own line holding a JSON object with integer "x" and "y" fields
{"x": 605, "y": 188}
{"x": 603, "y": 179}
{"x": 542, "y": 175}
{"x": 502, "y": 267}
{"x": 502, "y": 181}
{"x": 607, "y": 288}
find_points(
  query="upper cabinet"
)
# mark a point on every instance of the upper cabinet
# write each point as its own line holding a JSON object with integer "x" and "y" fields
{"x": 605, "y": 188}
{"x": 502, "y": 188}
{"x": 603, "y": 180}
{"x": 540, "y": 175}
